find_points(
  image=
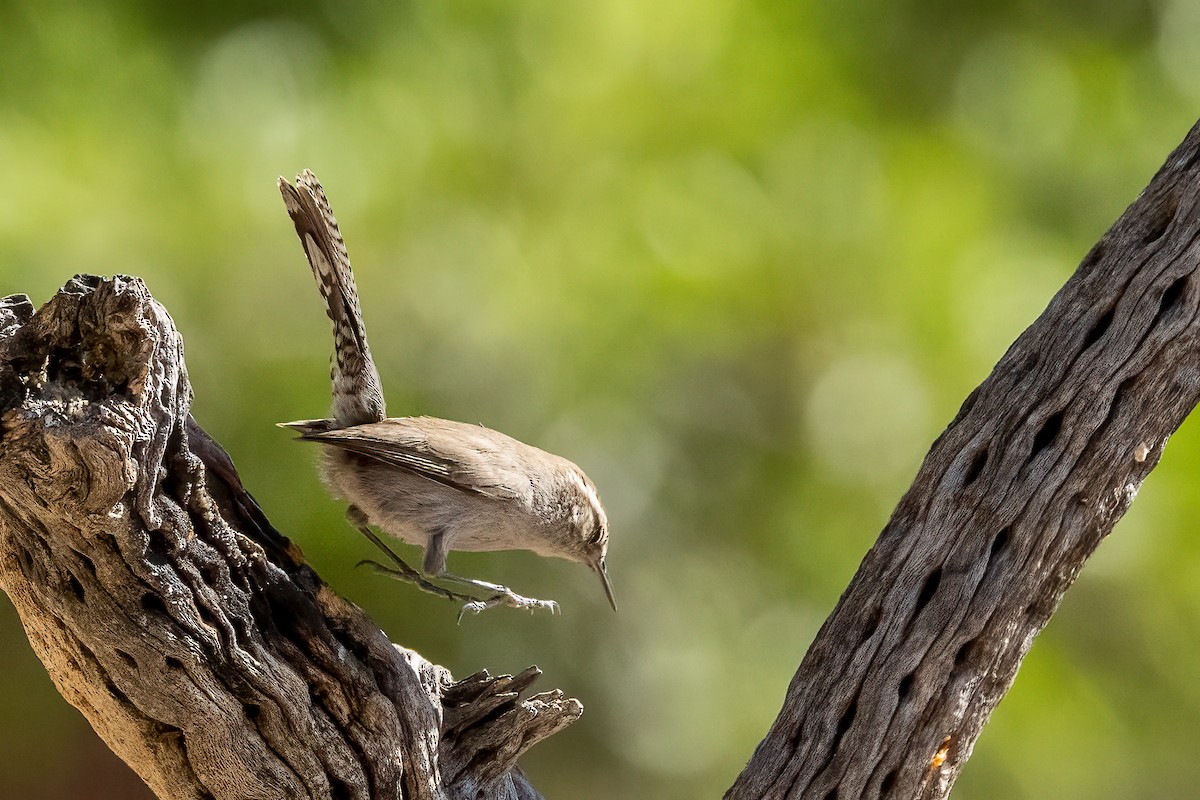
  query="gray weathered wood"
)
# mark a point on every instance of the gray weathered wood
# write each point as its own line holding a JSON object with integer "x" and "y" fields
{"x": 188, "y": 631}
{"x": 1042, "y": 460}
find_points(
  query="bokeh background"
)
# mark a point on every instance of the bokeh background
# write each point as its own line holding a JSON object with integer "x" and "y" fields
{"x": 740, "y": 260}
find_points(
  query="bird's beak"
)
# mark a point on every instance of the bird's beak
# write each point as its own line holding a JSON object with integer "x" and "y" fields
{"x": 603, "y": 573}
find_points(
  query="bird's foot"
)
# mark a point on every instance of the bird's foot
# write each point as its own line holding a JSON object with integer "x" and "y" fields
{"x": 500, "y": 596}
{"x": 507, "y": 597}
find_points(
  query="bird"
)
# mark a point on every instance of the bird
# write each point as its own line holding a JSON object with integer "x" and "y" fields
{"x": 435, "y": 483}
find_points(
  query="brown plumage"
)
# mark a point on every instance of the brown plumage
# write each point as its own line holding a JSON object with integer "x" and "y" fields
{"x": 432, "y": 482}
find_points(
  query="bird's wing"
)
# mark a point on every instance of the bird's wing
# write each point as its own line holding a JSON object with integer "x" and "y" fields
{"x": 308, "y": 427}
{"x": 466, "y": 457}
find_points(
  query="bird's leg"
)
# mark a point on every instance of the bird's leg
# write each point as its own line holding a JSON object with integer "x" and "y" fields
{"x": 401, "y": 571}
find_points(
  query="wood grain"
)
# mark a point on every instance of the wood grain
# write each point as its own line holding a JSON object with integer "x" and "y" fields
{"x": 189, "y": 632}
{"x": 1042, "y": 460}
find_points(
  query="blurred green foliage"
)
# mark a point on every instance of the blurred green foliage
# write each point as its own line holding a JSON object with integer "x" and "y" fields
{"x": 740, "y": 260}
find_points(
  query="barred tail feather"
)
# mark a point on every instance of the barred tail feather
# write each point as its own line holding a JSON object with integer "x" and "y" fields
{"x": 357, "y": 395}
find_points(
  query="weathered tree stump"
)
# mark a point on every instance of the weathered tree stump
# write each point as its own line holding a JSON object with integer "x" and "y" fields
{"x": 190, "y": 633}
{"x": 1042, "y": 460}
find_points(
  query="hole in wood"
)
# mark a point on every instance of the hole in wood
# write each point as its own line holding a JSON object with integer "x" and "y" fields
{"x": 115, "y": 692}
{"x": 159, "y": 543}
{"x": 832, "y": 794}
{"x": 352, "y": 644}
{"x": 927, "y": 590}
{"x": 1099, "y": 329}
{"x": 76, "y": 587}
{"x": 252, "y": 710}
{"x": 905, "y": 686}
{"x": 1157, "y": 224}
{"x": 153, "y": 603}
{"x": 173, "y": 663}
{"x": 87, "y": 564}
{"x": 129, "y": 660}
{"x": 169, "y": 484}
{"x": 62, "y": 366}
{"x": 240, "y": 629}
{"x": 1119, "y": 395}
{"x": 26, "y": 560}
{"x": 164, "y": 730}
{"x": 846, "y": 718}
{"x": 872, "y": 622}
{"x": 1171, "y": 298}
{"x": 999, "y": 542}
{"x": 1046, "y": 434}
{"x": 211, "y": 575}
{"x": 207, "y": 616}
{"x": 339, "y": 790}
{"x": 964, "y": 653}
{"x": 887, "y": 783}
{"x": 1114, "y": 407}
{"x": 976, "y": 467}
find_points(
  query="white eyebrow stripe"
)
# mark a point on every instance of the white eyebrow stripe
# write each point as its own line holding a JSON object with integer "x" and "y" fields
{"x": 590, "y": 494}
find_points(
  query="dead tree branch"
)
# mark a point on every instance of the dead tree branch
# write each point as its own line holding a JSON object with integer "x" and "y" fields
{"x": 189, "y": 632}
{"x": 1042, "y": 460}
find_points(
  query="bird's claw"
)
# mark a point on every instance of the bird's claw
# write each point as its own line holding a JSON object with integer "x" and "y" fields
{"x": 510, "y": 599}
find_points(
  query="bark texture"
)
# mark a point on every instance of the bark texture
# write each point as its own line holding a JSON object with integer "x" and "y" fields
{"x": 1042, "y": 460}
{"x": 186, "y": 629}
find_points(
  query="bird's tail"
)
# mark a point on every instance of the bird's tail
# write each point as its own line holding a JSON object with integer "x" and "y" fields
{"x": 357, "y": 395}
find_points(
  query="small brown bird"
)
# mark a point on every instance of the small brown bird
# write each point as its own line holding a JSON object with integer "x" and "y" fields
{"x": 432, "y": 482}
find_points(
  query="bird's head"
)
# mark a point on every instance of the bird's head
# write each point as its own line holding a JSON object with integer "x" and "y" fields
{"x": 589, "y": 526}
